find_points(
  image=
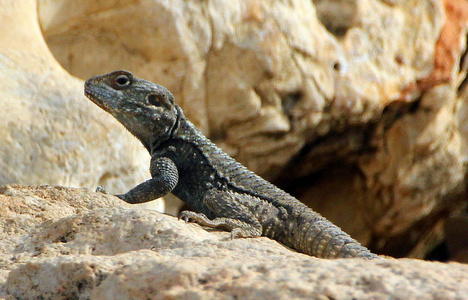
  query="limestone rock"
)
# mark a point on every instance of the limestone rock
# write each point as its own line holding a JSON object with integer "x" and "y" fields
{"x": 367, "y": 102}
{"x": 50, "y": 133}
{"x": 234, "y": 272}
{"x": 262, "y": 77}
{"x": 71, "y": 243}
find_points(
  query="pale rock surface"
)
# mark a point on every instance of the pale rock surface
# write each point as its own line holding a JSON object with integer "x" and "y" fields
{"x": 262, "y": 77}
{"x": 366, "y": 102}
{"x": 49, "y": 132}
{"x": 63, "y": 243}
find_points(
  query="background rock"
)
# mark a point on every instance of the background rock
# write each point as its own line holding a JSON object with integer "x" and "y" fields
{"x": 366, "y": 102}
{"x": 67, "y": 243}
{"x": 50, "y": 133}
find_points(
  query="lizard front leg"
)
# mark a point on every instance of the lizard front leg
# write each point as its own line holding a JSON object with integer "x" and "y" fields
{"x": 165, "y": 177}
{"x": 233, "y": 215}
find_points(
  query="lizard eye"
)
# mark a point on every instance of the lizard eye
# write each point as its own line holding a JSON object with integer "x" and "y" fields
{"x": 153, "y": 100}
{"x": 122, "y": 80}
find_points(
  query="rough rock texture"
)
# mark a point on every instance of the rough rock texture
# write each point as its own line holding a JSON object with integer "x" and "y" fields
{"x": 356, "y": 106}
{"x": 65, "y": 243}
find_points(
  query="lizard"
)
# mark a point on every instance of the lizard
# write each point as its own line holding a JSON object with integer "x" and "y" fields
{"x": 221, "y": 192}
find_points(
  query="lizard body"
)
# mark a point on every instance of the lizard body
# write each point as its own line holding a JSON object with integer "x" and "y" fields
{"x": 221, "y": 191}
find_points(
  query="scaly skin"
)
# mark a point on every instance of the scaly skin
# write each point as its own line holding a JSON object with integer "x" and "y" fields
{"x": 221, "y": 191}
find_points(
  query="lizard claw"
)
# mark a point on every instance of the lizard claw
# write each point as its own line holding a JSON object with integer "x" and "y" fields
{"x": 101, "y": 189}
{"x": 236, "y": 232}
{"x": 184, "y": 216}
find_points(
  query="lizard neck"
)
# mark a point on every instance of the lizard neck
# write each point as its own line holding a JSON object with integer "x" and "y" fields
{"x": 136, "y": 130}
{"x": 185, "y": 129}
{"x": 169, "y": 133}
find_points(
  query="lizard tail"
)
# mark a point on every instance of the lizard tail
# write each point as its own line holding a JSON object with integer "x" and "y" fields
{"x": 315, "y": 235}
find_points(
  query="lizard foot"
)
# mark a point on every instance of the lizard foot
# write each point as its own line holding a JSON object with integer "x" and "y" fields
{"x": 190, "y": 216}
{"x": 236, "y": 227}
{"x": 101, "y": 189}
{"x": 236, "y": 232}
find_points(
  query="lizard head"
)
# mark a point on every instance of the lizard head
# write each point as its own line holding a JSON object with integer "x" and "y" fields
{"x": 146, "y": 109}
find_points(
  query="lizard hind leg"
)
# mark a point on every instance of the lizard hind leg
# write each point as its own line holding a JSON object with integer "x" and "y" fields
{"x": 233, "y": 215}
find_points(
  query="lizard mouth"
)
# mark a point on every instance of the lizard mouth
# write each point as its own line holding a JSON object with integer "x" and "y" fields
{"x": 93, "y": 95}
{"x": 89, "y": 92}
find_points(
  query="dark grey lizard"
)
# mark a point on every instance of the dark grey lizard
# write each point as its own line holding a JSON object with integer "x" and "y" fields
{"x": 221, "y": 191}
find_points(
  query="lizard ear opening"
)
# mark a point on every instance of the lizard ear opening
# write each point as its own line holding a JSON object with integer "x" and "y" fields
{"x": 153, "y": 100}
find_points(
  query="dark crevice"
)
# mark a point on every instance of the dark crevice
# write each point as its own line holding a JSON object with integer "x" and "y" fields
{"x": 338, "y": 31}
{"x": 338, "y": 16}
{"x": 400, "y": 245}
{"x": 439, "y": 253}
{"x": 301, "y": 185}
{"x": 337, "y": 66}
{"x": 289, "y": 101}
{"x": 218, "y": 135}
{"x": 297, "y": 186}
{"x": 414, "y": 106}
{"x": 399, "y": 59}
{"x": 344, "y": 146}
{"x": 397, "y": 110}
{"x": 325, "y": 151}
{"x": 69, "y": 236}
{"x": 463, "y": 67}
{"x": 462, "y": 85}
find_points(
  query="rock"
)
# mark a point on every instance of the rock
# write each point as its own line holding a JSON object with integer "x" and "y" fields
{"x": 146, "y": 274}
{"x": 411, "y": 169}
{"x": 371, "y": 97}
{"x": 52, "y": 134}
{"x": 264, "y": 78}
{"x": 71, "y": 243}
